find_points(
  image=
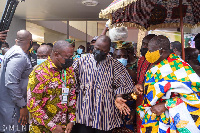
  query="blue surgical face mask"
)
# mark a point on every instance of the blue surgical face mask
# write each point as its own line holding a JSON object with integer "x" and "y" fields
{"x": 39, "y": 61}
{"x": 112, "y": 50}
{"x": 79, "y": 51}
{"x": 123, "y": 61}
{"x": 198, "y": 58}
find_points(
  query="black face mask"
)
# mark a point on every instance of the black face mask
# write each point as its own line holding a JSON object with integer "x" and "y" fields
{"x": 99, "y": 55}
{"x": 92, "y": 47}
{"x": 143, "y": 51}
{"x": 31, "y": 45}
{"x": 68, "y": 63}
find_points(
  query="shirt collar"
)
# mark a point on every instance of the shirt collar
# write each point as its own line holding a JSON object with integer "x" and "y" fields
{"x": 51, "y": 65}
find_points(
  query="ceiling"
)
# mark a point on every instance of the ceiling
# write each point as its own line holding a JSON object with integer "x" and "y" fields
{"x": 57, "y": 10}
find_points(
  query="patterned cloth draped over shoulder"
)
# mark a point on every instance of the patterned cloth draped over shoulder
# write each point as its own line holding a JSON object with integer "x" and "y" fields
{"x": 45, "y": 97}
{"x": 174, "y": 82}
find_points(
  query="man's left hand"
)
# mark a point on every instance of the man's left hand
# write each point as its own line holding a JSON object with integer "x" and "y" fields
{"x": 158, "y": 109}
{"x": 23, "y": 116}
{"x": 121, "y": 105}
{"x": 69, "y": 127}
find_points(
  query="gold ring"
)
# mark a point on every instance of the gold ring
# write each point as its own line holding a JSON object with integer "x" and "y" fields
{"x": 153, "y": 116}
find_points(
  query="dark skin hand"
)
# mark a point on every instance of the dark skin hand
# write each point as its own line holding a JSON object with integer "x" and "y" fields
{"x": 158, "y": 109}
{"x": 3, "y": 35}
{"x": 69, "y": 127}
{"x": 58, "y": 129}
{"x": 120, "y": 103}
{"x": 138, "y": 89}
{"x": 23, "y": 116}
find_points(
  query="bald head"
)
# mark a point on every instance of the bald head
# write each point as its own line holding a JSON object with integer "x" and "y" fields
{"x": 159, "y": 42}
{"x": 61, "y": 45}
{"x": 62, "y": 50}
{"x": 24, "y": 40}
{"x": 44, "y": 51}
{"x": 103, "y": 43}
{"x": 24, "y": 35}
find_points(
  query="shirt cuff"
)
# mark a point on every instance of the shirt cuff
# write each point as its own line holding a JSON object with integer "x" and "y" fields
{"x": 51, "y": 126}
{"x": 72, "y": 117}
{"x": 121, "y": 90}
{"x": 20, "y": 103}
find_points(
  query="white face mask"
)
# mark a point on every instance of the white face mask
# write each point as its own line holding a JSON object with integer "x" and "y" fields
{"x": 123, "y": 61}
{"x": 39, "y": 61}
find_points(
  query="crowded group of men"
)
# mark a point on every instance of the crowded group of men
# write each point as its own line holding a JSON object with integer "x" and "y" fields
{"x": 93, "y": 91}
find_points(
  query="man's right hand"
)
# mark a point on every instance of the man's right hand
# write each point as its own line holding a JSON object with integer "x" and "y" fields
{"x": 3, "y": 35}
{"x": 138, "y": 89}
{"x": 58, "y": 129}
{"x": 120, "y": 103}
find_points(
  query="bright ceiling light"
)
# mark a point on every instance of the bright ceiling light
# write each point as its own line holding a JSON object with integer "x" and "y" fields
{"x": 90, "y": 2}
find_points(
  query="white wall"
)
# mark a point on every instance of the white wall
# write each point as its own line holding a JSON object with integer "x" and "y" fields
{"x": 51, "y": 36}
{"x": 16, "y": 25}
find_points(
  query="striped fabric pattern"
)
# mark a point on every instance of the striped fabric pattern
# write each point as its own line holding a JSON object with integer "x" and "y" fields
{"x": 97, "y": 86}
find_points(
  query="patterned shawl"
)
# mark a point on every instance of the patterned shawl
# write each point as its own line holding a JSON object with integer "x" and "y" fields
{"x": 172, "y": 81}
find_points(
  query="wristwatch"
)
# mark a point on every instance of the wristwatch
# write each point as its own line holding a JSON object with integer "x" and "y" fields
{"x": 23, "y": 107}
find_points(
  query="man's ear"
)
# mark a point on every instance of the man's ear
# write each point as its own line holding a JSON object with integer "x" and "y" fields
{"x": 161, "y": 52}
{"x": 56, "y": 54}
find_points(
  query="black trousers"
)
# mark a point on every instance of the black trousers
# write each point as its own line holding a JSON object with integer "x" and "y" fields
{"x": 80, "y": 128}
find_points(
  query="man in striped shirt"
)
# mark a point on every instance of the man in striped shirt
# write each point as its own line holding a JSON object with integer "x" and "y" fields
{"x": 101, "y": 81}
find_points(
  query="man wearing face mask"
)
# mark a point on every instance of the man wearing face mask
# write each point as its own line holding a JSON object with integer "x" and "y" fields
{"x": 15, "y": 70}
{"x": 80, "y": 52}
{"x": 92, "y": 44}
{"x": 121, "y": 55}
{"x": 171, "y": 92}
{"x": 42, "y": 53}
{"x": 101, "y": 81}
{"x": 143, "y": 66}
{"x": 51, "y": 92}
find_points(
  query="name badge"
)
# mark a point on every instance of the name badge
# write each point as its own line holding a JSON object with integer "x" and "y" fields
{"x": 65, "y": 92}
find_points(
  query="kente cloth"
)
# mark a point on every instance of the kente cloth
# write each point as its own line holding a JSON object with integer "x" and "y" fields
{"x": 142, "y": 68}
{"x": 174, "y": 82}
{"x": 44, "y": 96}
{"x": 97, "y": 86}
